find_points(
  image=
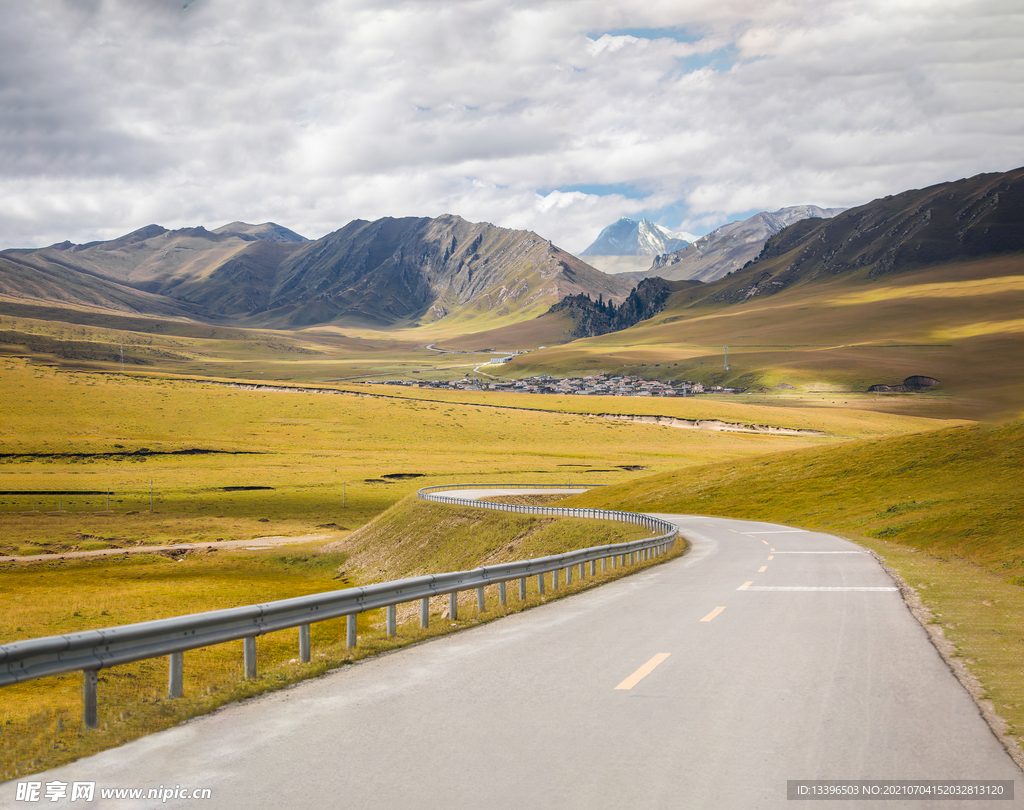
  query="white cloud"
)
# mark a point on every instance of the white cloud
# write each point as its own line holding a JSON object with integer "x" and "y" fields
{"x": 117, "y": 113}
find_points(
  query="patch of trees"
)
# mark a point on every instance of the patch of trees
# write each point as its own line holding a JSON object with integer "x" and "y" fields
{"x": 591, "y": 318}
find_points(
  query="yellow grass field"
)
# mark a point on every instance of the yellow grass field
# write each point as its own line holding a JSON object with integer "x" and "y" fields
{"x": 231, "y": 464}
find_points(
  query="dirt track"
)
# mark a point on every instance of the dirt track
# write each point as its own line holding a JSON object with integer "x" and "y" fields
{"x": 257, "y": 542}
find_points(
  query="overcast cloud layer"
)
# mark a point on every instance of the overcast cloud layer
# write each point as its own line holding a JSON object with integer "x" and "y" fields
{"x": 559, "y": 117}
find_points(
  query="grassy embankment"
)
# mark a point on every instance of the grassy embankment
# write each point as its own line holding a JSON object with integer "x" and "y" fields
{"x": 40, "y": 720}
{"x": 944, "y": 509}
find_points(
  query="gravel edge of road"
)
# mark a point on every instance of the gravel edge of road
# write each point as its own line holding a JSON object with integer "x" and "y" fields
{"x": 945, "y": 648}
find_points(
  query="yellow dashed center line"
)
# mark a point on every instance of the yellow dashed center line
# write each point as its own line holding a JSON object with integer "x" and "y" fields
{"x": 643, "y": 672}
{"x": 762, "y": 569}
{"x": 765, "y": 542}
{"x": 745, "y": 585}
{"x": 713, "y": 613}
{"x": 770, "y": 557}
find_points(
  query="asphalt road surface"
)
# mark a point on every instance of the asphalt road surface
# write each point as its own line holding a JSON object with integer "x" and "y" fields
{"x": 765, "y": 654}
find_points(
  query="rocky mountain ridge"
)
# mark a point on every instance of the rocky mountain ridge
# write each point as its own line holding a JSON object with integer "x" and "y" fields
{"x": 392, "y": 271}
{"x": 730, "y": 247}
{"x": 948, "y": 222}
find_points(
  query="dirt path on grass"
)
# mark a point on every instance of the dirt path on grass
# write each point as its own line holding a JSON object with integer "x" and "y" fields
{"x": 254, "y": 544}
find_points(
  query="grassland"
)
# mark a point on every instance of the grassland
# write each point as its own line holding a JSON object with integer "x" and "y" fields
{"x": 85, "y": 340}
{"x": 302, "y": 456}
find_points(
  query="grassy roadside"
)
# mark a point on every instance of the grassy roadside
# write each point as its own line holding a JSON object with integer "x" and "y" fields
{"x": 943, "y": 509}
{"x": 953, "y": 492}
{"x": 416, "y": 537}
{"x": 40, "y": 721}
{"x": 978, "y": 617}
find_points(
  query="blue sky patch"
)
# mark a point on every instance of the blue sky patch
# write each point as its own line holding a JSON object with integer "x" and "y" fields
{"x": 720, "y": 60}
{"x": 678, "y": 34}
{"x": 599, "y": 189}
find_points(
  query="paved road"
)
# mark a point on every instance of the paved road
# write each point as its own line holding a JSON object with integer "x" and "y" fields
{"x": 778, "y": 654}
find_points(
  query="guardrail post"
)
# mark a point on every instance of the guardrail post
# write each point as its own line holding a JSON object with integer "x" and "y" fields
{"x": 453, "y": 606}
{"x": 305, "y": 651}
{"x": 481, "y": 603}
{"x": 522, "y": 589}
{"x": 424, "y": 612}
{"x": 568, "y": 575}
{"x": 175, "y": 674}
{"x": 604, "y": 564}
{"x": 540, "y": 584}
{"x": 89, "y": 700}
{"x": 554, "y": 580}
{"x": 249, "y": 656}
{"x": 593, "y": 568}
{"x": 350, "y": 630}
{"x": 392, "y": 620}
{"x": 583, "y": 568}
{"x": 501, "y": 594}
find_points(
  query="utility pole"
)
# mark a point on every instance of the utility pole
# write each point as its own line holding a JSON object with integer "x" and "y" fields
{"x": 726, "y": 349}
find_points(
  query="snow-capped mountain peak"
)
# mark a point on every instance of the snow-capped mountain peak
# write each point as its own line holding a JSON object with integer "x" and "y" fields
{"x": 628, "y": 237}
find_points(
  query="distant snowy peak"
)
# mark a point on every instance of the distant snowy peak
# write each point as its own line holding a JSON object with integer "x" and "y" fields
{"x": 760, "y": 226}
{"x": 627, "y": 237}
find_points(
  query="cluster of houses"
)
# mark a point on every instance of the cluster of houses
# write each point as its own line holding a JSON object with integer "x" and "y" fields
{"x": 595, "y": 385}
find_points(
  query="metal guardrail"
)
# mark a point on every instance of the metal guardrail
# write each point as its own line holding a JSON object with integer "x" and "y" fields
{"x": 93, "y": 650}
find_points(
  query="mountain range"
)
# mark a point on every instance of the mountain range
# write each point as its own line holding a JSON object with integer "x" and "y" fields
{"x": 951, "y": 222}
{"x": 385, "y": 273}
{"x": 730, "y": 247}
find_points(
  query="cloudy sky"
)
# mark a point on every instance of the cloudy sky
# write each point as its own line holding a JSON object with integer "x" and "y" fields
{"x": 555, "y": 116}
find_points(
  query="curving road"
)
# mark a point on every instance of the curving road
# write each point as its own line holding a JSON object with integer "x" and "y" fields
{"x": 764, "y": 654}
